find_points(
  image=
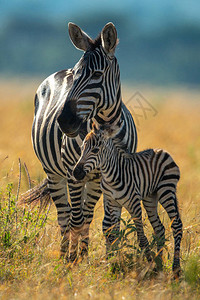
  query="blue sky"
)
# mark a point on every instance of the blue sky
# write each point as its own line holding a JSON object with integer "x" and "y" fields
{"x": 149, "y": 12}
{"x": 159, "y": 39}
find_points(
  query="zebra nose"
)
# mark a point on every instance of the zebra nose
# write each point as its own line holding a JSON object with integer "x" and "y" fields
{"x": 79, "y": 173}
{"x": 64, "y": 120}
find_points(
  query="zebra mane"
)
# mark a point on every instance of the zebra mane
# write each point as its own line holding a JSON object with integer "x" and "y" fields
{"x": 121, "y": 146}
{"x": 97, "y": 42}
{"x": 117, "y": 141}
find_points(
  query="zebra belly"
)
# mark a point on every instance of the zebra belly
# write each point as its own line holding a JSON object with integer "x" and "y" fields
{"x": 120, "y": 196}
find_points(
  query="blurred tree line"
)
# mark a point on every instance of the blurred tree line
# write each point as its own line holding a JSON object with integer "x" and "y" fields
{"x": 171, "y": 55}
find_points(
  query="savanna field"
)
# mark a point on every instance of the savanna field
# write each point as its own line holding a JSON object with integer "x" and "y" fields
{"x": 30, "y": 267}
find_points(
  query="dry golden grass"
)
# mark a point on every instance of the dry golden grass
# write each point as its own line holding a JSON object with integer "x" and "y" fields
{"x": 36, "y": 272}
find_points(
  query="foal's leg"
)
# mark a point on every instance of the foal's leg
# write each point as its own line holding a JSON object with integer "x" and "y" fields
{"x": 150, "y": 205}
{"x": 134, "y": 208}
{"x": 169, "y": 202}
{"x": 112, "y": 213}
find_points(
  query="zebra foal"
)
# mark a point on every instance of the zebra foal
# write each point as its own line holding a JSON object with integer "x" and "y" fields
{"x": 150, "y": 175}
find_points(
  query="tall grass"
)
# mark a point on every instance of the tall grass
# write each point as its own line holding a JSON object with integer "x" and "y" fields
{"x": 30, "y": 266}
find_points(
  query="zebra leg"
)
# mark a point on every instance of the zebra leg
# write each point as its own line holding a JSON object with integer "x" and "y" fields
{"x": 106, "y": 225}
{"x": 169, "y": 202}
{"x": 135, "y": 210}
{"x": 150, "y": 205}
{"x": 92, "y": 194}
{"x": 111, "y": 224}
{"x": 58, "y": 189}
{"x": 76, "y": 218}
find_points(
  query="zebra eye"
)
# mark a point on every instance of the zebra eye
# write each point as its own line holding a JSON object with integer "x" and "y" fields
{"x": 95, "y": 150}
{"x": 96, "y": 75}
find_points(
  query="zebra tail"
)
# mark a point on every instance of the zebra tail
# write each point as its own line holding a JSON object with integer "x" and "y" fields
{"x": 40, "y": 194}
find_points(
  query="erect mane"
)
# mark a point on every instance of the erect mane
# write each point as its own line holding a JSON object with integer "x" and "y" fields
{"x": 96, "y": 42}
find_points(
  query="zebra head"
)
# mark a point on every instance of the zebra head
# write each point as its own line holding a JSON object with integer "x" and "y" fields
{"x": 95, "y": 92}
{"x": 96, "y": 146}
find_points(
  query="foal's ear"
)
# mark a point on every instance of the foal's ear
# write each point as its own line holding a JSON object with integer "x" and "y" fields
{"x": 78, "y": 37}
{"x": 95, "y": 128}
{"x": 113, "y": 130}
{"x": 109, "y": 38}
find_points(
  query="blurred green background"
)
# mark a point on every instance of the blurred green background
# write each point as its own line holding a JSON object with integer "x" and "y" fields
{"x": 159, "y": 40}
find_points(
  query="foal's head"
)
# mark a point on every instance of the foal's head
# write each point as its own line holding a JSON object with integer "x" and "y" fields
{"x": 93, "y": 150}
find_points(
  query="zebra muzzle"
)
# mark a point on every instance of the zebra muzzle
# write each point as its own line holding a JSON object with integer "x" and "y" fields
{"x": 79, "y": 173}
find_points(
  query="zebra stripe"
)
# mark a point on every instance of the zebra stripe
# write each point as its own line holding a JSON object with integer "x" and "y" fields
{"x": 150, "y": 175}
{"x": 89, "y": 91}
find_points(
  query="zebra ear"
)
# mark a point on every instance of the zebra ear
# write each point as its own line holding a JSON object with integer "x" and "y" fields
{"x": 109, "y": 38}
{"x": 94, "y": 128}
{"x": 114, "y": 129}
{"x": 78, "y": 37}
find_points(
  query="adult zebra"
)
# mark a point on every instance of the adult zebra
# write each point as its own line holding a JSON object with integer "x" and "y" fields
{"x": 74, "y": 97}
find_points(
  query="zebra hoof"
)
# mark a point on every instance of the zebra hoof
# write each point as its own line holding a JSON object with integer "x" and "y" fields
{"x": 176, "y": 272}
{"x": 73, "y": 257}
{"x": 83, "y": 250}
{"x": 148, "y": 256}
{"x": 64, "y": 247}
{"x": 159, "y": 264}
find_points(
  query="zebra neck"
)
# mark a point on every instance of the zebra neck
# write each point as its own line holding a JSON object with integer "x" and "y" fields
{"x": 111, "y": 165}
{"x": 114, "y": 163}
{"x": 112, "y": 114}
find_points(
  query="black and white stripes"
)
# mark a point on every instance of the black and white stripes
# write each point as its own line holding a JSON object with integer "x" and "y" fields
{"x": 65, "y": 105}
{"x": 150, "y": 175}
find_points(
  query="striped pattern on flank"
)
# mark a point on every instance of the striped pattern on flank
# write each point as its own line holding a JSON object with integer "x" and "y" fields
{"x": 150, "y": 176}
